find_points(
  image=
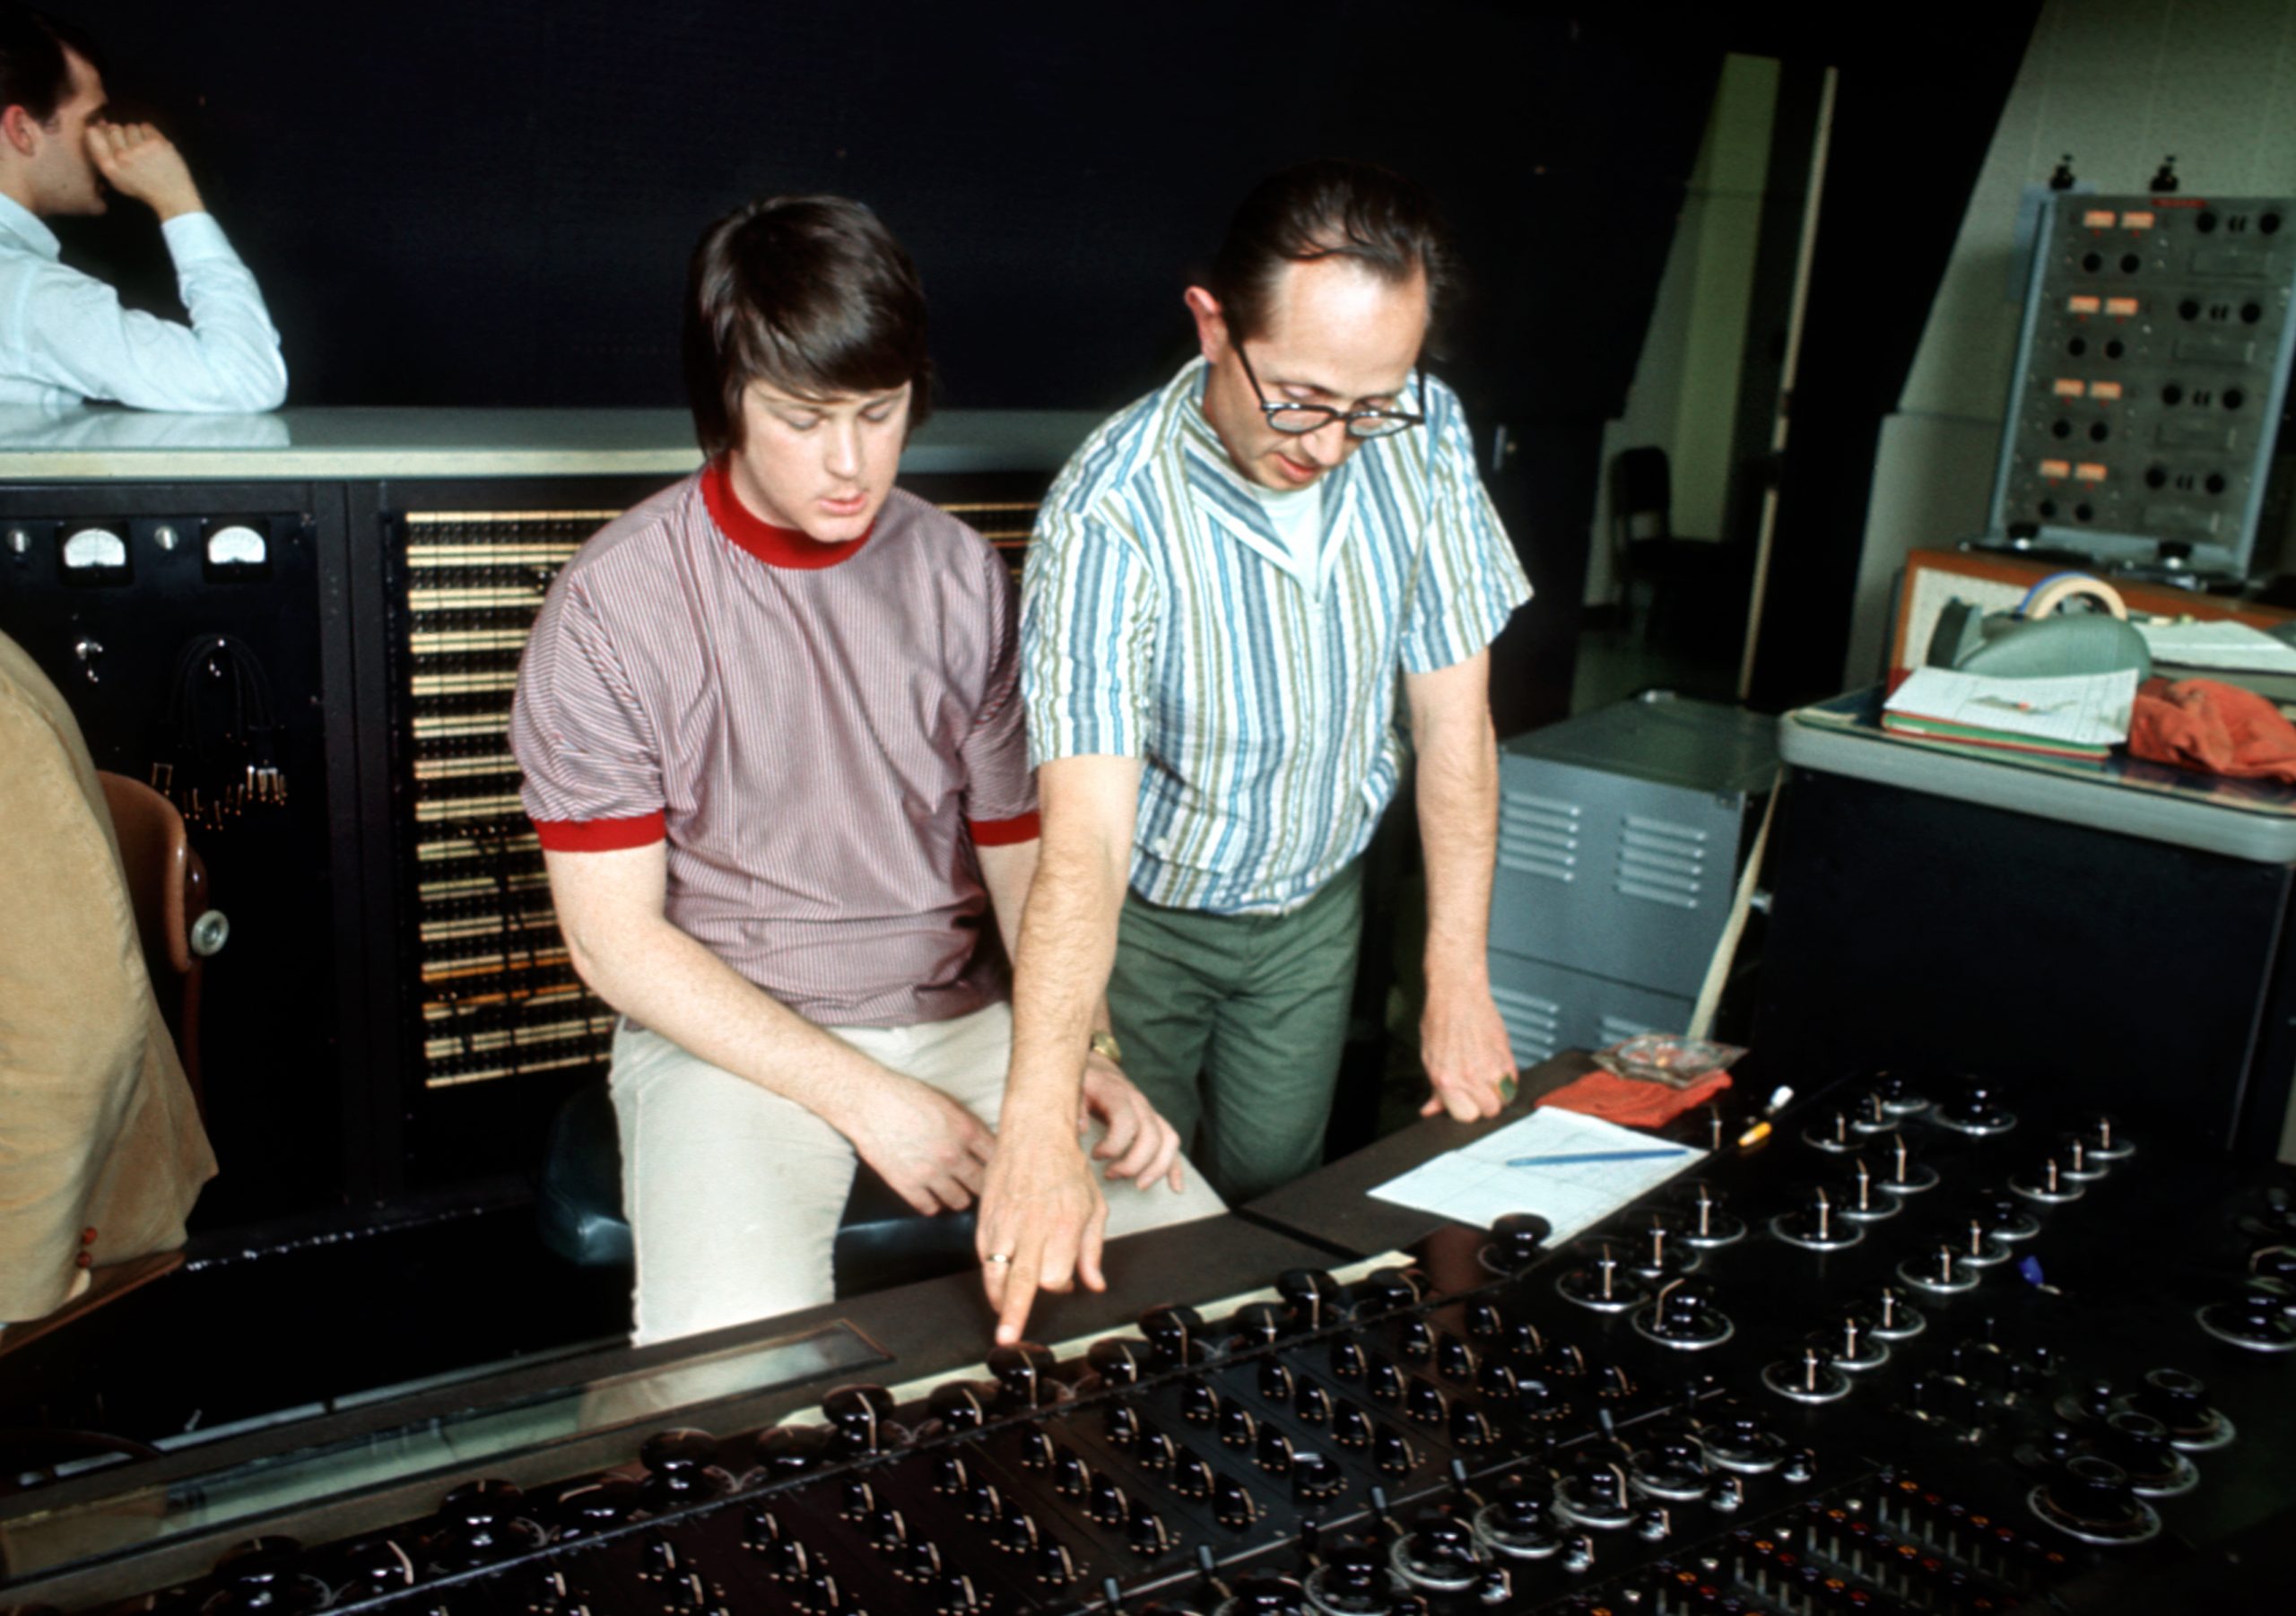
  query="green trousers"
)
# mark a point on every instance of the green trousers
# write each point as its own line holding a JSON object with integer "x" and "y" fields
{"x": 1233, "y": 1025}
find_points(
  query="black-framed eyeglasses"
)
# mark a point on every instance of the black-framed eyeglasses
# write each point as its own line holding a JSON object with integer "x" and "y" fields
{"x": 1297, "y": 420}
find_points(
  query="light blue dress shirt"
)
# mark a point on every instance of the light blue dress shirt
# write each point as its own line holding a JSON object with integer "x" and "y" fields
{"x": 64, "y": 338}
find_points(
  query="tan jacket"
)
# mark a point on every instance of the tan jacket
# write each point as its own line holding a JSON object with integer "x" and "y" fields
{"x": 101, "y": 1151}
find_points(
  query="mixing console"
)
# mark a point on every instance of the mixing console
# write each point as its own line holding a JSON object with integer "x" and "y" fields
{"x": 1919, "y": 1354}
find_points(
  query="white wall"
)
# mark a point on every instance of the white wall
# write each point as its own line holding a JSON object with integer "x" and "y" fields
{"x": 1684, "y": 394}
{"x": 2119, "y": 83}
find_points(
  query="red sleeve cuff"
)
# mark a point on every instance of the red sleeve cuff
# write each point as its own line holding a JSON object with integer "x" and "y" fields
{"x": 997, "y": 833}
{"x": 601, "y": 836}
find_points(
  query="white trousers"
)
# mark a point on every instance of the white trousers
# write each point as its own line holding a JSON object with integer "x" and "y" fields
{"x": 734, "y": 1193}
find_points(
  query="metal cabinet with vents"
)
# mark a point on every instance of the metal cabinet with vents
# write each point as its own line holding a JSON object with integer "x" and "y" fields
{"x": 1620, "y": 837}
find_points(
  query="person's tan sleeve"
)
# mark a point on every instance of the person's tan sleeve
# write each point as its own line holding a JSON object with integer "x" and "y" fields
{"x": 73, "y": 1009}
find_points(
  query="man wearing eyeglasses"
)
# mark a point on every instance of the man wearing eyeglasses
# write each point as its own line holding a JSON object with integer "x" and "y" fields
{"x": 1226, "y": 586}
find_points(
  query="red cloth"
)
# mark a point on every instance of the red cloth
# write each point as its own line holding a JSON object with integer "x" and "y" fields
{"x": 1631, "y": 1101}
{"x": 2214, "y": 727}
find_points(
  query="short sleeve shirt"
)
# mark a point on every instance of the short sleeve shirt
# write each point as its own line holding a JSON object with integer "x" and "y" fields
{"x": 1163, "y": 619}
{"x": 820, "y": 734}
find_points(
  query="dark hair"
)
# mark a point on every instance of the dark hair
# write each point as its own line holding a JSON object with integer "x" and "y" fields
{"x": 810, "y": 294}
{"x": 1326, "y": 209}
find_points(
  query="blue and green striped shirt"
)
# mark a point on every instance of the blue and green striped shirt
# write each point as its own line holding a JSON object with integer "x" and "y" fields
{"x": 1160, "y": 620}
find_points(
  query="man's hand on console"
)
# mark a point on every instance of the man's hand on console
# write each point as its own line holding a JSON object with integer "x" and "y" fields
{"x": 1463, "y": 1044}
{"x": 1139, "y": 1144}
{"x": 137, "y": 161}
{"x": 1042, "y": 1220}
{"x": 930, "y": 1148}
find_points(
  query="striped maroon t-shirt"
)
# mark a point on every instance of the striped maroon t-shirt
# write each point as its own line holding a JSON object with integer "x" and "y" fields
{"x": 821, "y": 733}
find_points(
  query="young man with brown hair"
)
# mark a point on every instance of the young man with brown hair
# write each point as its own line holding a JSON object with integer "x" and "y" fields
{"x": 771, "y": 732}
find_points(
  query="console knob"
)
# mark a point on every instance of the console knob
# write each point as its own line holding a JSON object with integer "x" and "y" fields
{"x": 1015, "y": 1530}
{"x": 1832, "y": 1132}
{"x": 1236, "y": 1425}
{"x": 1312, "y": 1405}
{"x": 1875, "y": 1114}
{"x": 1864, "y": 1195}
{"x": 1484, "y": 1321}
{"x": 1024, "y": 1371}
{"x": 958, "y": 1405}
{"x": 1146, "y": 1532}
{"x": 1977, "y": 1109}
{"x": 1173, "y": 1331}
{"x": 856, "y": 1498}
{"x": 2179, "y": 1402}
{"x": 1889, "y": 1316}
{"x": 1414, "y": 1342}
{"x": 1347, "y": 1359}
{"x": 1817, "y": 1225}
{"x": 1470, "y": 1427}
{"x": 1314, "y": 1478}
{"x": 1354, "y": 1580}
{"x": 2075, "y": 1158}
{"x": 2106, "y": 1141}
{"x": 1454, "y": 1358}
{"x": 1439, "y": 1554}
{"x": 953, "y": 1595}
{"x": 1070, "y": 1474}
{"x": 1232, "y": 1503}
{"x": 589, "y": 1507}
{"x": 982, "y": 1501}
{"x": 1810, "y": 1378}
{"x": 1156, "y": 1452}
{"x": 1105, "y": 1501}
{"x": 1516, "y": 1241}
{"x": 1259, "y": 1324}
{"x": 1121, "y": 1420}
{"x": 1263, "y": 1593}
{"x": 859, "y": 1414}
{"x": 2255, "y": 1319}
{"x": 1705, "y": 1221}
{"x": 1313, "y": 1296}
{"x": 1351, "y": 1427}
{"x": 1275, "y": 1381}
{"x": 1382, "y": 1381}
{"x": 1606, "y": 1284}
{"x": 1035, "y": 1443}
{"x": 1386, "y": 1290}
{"x": 1903, "y": 1172}
{"x": 1674, "y": 1467}
{"x": 1739, "y": 1440}
{"x": 1595, "y": 1494}
{"x": 1517, "y": 1523}
{"x": 1199, "y": 1403}
{"x": 1684, "y": 1317}
{"x": 2140, "y": 1445}
{"x": 2090, "y": 1499}
{"x": 1115, "y": 1360}
{"x": 1274, "y": 1451}
{"x": 1390, "y": 1452}
{"x": 377, "y": 1566}
{"x": 1941, "y": 1271}
{"x": 1191, "y": 1476}
{"x": 1424, "y": 1401}
{"x": 266, "y": 1574}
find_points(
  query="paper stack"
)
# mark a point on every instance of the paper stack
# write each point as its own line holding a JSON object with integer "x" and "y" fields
{"x": 2079, "y": 716}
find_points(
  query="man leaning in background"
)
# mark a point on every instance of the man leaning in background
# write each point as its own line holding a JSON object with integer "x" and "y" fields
{"x": 63, "y": 337}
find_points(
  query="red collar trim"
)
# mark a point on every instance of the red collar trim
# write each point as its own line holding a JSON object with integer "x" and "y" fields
{"x": 775, "y": 546}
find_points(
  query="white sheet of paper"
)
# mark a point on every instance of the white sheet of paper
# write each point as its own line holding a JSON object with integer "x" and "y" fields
{"x": 2086, "y": 709}
{"x": 1475, "y": 1184}
{"x": 2218, "y": 645}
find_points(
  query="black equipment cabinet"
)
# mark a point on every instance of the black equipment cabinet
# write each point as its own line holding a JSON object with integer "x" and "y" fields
{"x": 1920, "y": 932}
{"x": 373, "y": 1036}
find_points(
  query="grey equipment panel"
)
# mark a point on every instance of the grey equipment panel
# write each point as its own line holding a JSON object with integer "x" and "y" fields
{"x": 2149, "y": 376}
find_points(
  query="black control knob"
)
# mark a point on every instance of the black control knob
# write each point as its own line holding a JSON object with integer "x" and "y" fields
{"x": 1232, "y": 1503}
{"x": 684, "y": 1462}
{"x": 1146, "y": 1532}
{"x": 1386, "y": 1290}
{"x": 1052, "y": 1563}
{"x": 1890, "y": 1316}
{"x": 1391, "y": 1452}
{"x": 1903, "y": 1172}
{"x": 1516, "y": 1240}
{"x": 1347, "y": 1359}
{"x": 1702, "y": 1220}
{"x": 1672, "y": 1467}
{"x": 1740, "y": 1440}
{"x": 1519, "y": 1522}
{"x": 374, "y": 1566}
{"x": 1314, "y": 1478}
{"x": 856, "y": 1498}
{"x": 267, "y": 1574}
{"x": 1439, "y": 1554}
{"x": 1606, "y": 1283}
{"x": 2005, "y": 1215}
{"x": 1263, "y": 1594}
{"x": 1172, "y": 1332}
{"x": 1454, "y": 1358}
{"x": 1259, "y": 1324}
{"x": 1235, "y": 1424}
{"x": 1382, "y": 1380}
{"x": 1312, "y": 1405}
{"x": 1833, "y": 1132}
{"x": 981, "y": 1500}
{"x": 1810, "y": 1377}
{"x": 1354, "y": 1580}
{"x": 1199, "y": 1403}
{"x": 1191, "y": 1476}
{"x": 2256, "y": 1319}
{"x": 1117, "y": 1361}
{"x": 1976, "y": 1107}
{"x": 953, "y": 1593}
{"x": 1470, "y": 1427}
{"x": 1683, "y": 1315}
{"x": 1121, "y": 1420}
{"x": 2140, "y": 1445}
{"x": 586, "y": 1508}
{"x": 2105, "y": 1138}
{"x": 859, "y": 1415}
{"x": 1274, "y": 1451}
{"x": 1941, "y": 1273}
{"x": 1070, "y": 1474}
{"x": 1015, "y": 1530}
{"x": 1873, "y": 1114}
{"x": 1157, "y": 1451}
{"x": 1817, "y": 1224}
{"x": 1024, "y": 1372}
{"x": 1275, "y": 1380}
{"x": 959, "y": 1406}
{"x": 1105, "y": 1501}
{"x": 1484, "y": 1321}
{"x": 1596, "y": 1493}
{"x": 1864, "y": 1196}
{"x": 1313, "y": 1296}
{"x": 1415, "y": 1340}
{"x": 1351, "y": 1427}
{"x": 2179, "y": 1402}
{"x": 1423, "y": 1400}
{"x": 2090, "y": 1499}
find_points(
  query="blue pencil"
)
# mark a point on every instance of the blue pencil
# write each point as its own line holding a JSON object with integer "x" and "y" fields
{"x": 1593, "y": 1156}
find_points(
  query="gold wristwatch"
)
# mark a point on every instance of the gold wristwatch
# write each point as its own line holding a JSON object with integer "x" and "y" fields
{"x": 1105, "y": 1045}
